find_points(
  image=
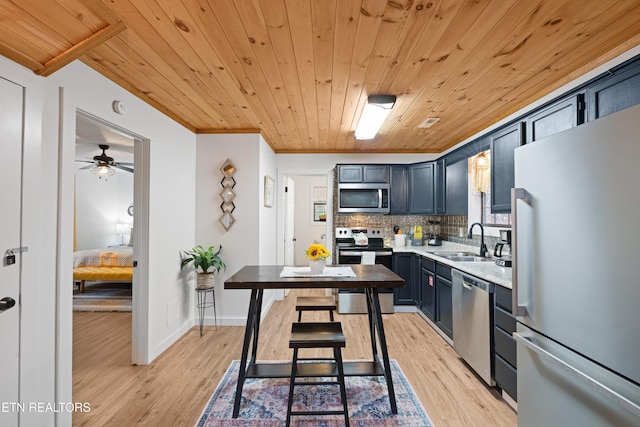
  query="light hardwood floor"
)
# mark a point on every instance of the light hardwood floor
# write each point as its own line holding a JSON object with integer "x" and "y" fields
{"x": 174, "y": 389}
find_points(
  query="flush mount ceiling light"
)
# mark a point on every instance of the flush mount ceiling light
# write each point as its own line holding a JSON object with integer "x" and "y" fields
{"x": 375, "y": 113}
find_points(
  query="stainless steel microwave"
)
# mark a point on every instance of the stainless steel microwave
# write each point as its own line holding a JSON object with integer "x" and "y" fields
{"x": 365, "y": 198}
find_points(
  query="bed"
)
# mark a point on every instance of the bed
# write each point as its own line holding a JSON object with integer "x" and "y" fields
{"x": 103, "y": 264}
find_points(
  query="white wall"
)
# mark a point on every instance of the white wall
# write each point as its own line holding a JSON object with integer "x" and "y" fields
{"x": 249, "y": 240}
{"x": 101, "y": 205}
{"x": 169, "y": 309}
{"x": 266, "y": 226}
{"x": 267, "y": 221}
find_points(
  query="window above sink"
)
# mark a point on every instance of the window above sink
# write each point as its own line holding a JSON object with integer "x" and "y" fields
{"x": 479, "y": 194}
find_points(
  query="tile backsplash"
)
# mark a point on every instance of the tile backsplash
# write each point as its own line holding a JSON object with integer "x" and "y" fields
{"x": 452, "y": 228}
{"x": 387, "y": 222}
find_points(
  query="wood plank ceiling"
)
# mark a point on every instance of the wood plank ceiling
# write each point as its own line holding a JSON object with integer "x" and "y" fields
{"x": 300, "y": 71}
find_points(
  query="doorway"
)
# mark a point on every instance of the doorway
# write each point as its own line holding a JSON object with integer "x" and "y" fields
{"x": 112, "y": 213}
{"x": 306, "y": 219}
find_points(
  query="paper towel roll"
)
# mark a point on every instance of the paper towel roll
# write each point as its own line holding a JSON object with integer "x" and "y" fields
{"x": 400, "y": 240}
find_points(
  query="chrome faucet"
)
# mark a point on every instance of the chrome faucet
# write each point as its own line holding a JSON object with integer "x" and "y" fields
{"x": 483, "y": 247}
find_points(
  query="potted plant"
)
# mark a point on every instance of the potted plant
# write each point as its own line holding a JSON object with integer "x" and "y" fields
{"x": 206, "y": 261}
{"x": 317, "y": 255}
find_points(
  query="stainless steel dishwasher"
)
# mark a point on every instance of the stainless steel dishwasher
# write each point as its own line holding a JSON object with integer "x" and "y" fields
{"x": 472, "y": 314}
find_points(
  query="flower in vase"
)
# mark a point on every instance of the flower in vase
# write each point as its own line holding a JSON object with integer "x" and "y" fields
{"x": 317, "y": 251}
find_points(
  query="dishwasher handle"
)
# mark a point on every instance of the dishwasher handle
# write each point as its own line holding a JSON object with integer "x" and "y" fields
{"x": 470, "y": 282}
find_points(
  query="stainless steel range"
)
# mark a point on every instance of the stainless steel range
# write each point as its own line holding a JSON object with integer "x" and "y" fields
{"x": 353, "y": 246}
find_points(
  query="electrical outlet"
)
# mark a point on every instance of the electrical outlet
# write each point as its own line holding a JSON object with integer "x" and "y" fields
{"x": 460, "y": 232}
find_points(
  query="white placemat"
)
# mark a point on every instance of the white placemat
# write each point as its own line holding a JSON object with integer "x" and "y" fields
{"x": 328, "y": 272}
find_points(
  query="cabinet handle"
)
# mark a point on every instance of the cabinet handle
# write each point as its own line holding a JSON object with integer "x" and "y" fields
{"x": 525, "y": 339}
{"x": 516, "y": 194}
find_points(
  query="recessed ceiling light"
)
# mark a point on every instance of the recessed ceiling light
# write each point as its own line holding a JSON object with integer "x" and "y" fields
{"x": 428, "y": 122}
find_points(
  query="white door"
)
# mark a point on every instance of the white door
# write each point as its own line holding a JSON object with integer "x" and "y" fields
{"x": 289, "y": 221}
{"x": 289, "y": 218}
{"x": 11, "y": 102}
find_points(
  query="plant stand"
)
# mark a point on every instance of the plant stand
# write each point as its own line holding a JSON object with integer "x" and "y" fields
{"x": 204, "y": 303}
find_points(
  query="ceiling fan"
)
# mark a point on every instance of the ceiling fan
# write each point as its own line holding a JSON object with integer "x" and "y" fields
{"x": 102, "y": 165}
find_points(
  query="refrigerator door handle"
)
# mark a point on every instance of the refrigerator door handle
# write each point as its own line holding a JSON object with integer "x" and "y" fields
{"x": 525, "y": 339}
{"x": 516, "y": 194}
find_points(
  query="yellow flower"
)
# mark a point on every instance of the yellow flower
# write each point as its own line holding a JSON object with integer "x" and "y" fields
{"x": 317, "y": 251}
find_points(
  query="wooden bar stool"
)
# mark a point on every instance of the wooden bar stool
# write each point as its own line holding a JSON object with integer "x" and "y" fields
{"x": 315, "y": 304}
{"x": 317, "y": 335}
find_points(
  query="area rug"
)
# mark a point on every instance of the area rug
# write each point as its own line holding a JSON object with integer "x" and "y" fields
{"x": 103, "y": 296}
{"x": 264, "y": 403}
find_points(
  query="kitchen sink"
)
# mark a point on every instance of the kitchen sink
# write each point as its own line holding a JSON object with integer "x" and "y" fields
{"x": 447, "y": 254}
{"x": 461, "y": 256}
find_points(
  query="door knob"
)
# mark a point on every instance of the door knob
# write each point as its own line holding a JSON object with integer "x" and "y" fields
{"x": 6, "y": 303}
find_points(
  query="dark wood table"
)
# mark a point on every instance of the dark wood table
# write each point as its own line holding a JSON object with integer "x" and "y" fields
{"x": 258, "y": 278}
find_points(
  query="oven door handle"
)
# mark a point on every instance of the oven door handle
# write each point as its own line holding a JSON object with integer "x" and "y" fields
{"x": 350, "y": 253}
{"x": 359, "y": 253}
{"x": 386, "y": 253}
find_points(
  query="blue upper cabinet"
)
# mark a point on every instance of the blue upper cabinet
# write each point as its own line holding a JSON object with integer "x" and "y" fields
{"x": 457, "y": 188}
{"x": 363, "y": 174}
{"x": 503, "y": 143}
{"x": 441, "y": 186}
{"x": 398, "y": 190}
{"x": 350, "y": 173}
{"x": 376, "y": 173}
{"x": 421, "y": 186}
{"x": 561, "y": 115}
{"x": 619, "y": 91}
{"x": 451, "y": 187}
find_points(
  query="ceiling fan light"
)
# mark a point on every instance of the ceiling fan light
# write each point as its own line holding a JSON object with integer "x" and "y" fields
{"x": 103, "y": 171}
{"x": 375, "y": 113}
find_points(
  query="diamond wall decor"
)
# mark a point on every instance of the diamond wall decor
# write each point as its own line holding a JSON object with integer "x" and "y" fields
{"x": 227, "y": 194}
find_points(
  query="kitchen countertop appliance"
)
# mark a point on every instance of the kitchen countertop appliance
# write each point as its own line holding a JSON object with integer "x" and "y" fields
{"x": 350, "y": 250}
{"x": 576, "y": 305}
{"x": 434, "y": 238}
{"x": 472, "y": 322}
{"x": 502, "y": 252}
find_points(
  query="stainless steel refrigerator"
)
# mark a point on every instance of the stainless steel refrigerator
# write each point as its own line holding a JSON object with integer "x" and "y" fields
{"x": 576, "y": 275}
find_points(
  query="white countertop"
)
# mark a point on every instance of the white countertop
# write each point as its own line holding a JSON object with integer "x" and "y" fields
{"x": 486, "y": 270}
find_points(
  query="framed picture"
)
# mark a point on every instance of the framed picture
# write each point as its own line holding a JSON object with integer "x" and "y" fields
{"x": 269, "y": 191}
{"x": 319, "y": 211}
